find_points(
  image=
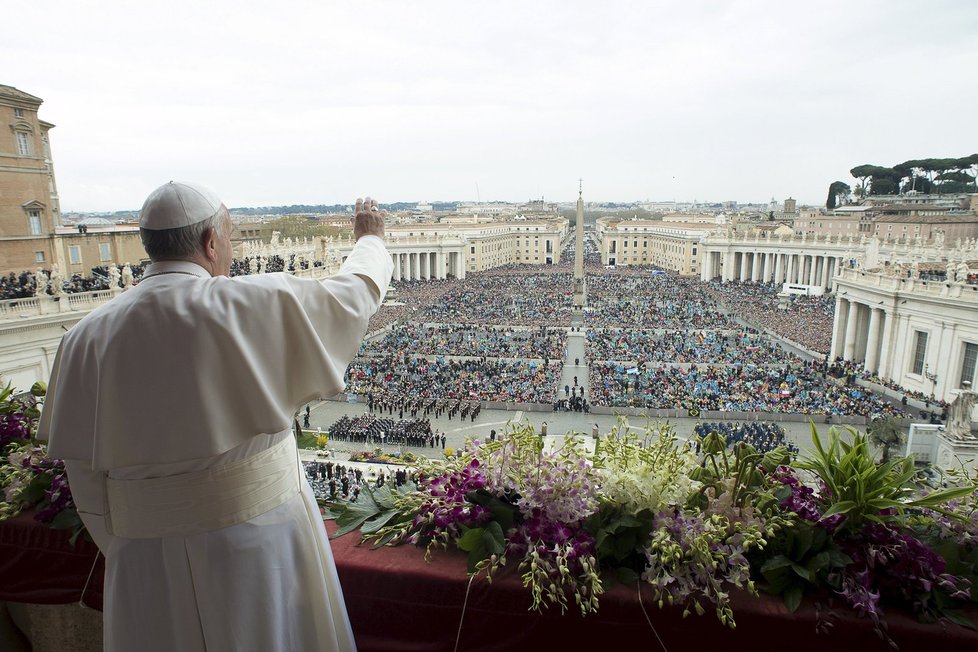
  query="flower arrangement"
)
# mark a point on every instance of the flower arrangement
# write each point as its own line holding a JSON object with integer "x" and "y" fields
{"x": 379, "y": 457}
{"x": 28, "y": 477}
{"x": 691, "y": 521}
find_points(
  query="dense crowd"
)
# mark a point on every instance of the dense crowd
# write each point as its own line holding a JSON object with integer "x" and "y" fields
{"x": 370, "y": 429}
{"x": 731, "y": 388}
{"x": 470, "y": 340}
{"x": 764, "y": 437}
{"x": 332, "y": 481}
{"x": 484, "y": 380}
{"x": 503, "y": 297}
{"x": 406, "y": 298}
{"x": 651, "y": 301}
{"x": 801, "y": 319}
{"x": 393, "y": 401}
{"x": 708, "y": 346}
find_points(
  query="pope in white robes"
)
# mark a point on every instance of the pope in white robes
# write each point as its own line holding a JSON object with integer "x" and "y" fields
{"x": 172, "y": 406}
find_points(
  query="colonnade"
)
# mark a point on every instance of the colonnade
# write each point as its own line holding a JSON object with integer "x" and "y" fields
{"x": 813, "y": 269}
{"x": 864, "y": 333}
{"x": 427, "y": 265}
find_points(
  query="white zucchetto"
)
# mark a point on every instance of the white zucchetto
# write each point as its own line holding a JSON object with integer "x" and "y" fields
{"x": 178, "y": 204}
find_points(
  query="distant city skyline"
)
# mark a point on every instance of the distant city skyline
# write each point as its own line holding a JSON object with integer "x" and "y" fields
{"x": 318, "y": 104}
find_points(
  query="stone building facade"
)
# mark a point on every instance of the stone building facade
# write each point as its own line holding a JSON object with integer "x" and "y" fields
{"x": 29, "y": 207}
{"x": 669, "y": 245}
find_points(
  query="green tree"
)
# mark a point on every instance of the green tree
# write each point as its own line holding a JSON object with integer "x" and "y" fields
{"x": 885, "y": 434}
{"x": 838, "y": 194}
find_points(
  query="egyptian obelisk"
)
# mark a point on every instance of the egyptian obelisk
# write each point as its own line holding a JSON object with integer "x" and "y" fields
{"x": 579, "y": 251}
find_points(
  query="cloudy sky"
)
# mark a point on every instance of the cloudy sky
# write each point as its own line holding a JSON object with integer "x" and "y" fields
{"x": 319, "y": 102}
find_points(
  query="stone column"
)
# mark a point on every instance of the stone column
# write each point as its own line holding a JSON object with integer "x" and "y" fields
{"x": 439, "y": 265}
{"x": 886, "y": 354}
{"x": 743, "y": 267}
{"x": 851, "y": 323}
{"x": 812, "y": 269}
{"x": 824, "y": 281}
{"x": 397, "y": 266}
{"x": 778, "y": 262}
{"x": 789, "y": 268}
{"x": 838, "y": 328}
{"x": 872, "y": 342}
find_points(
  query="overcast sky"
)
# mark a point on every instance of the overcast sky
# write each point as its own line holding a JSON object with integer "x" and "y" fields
{"x": 319, "y": 102}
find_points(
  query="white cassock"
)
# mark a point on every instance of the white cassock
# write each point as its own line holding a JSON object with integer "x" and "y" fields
{"x": 172, "y": 406}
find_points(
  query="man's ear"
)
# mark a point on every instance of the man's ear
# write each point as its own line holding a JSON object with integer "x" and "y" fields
{"x": 209, "y": 240}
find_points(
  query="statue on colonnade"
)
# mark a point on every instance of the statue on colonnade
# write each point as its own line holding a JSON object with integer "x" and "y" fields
{"x": 127, "y": 277}
{"x": 959, "y": 415}
{"x": 40, "y": 283}
{"x": 114, "y": 276}
{"x": 57, "y": 281}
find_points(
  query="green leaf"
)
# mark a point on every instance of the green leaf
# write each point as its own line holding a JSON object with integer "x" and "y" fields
{"x": 802, "y": 572}
{"x": 626, "y": 576}
{"x": 477, "y": 555}
{"x": 841, "y": 507}
{"x": 66, "y": 519}
{"x": 493, "y": 538}
{"x": 959, "y": 618}
{"x": 792, "y": 598}
{"x": 374, "y": 523}
{"x": 353, "y": 514}
{"x": 801, "y": 542}
{"x": 470, "y": 540}
{"x": 942, "y": 496}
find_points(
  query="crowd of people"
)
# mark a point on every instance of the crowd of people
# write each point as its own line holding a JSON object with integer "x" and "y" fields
{"x": 796, "y": 389}
{"x": 392, "y": 402}
{"x": 806, "y": 320}
{"x": 651, "y": 300}
{"x": 684, "y": 346}
{"x": 331, "y": 481}
{"x": 504, "y": 297}
{"x": 763, "y": 437}
{"x": 379, "y": 431}
{"x": 518, "y": 381}
{"x": 470, "y": 340}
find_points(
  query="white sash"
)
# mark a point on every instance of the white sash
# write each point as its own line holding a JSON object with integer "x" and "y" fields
{"x": 201, "y": 501}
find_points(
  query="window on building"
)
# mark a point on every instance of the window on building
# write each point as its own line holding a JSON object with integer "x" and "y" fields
{"x": 968, "y": 366}
{"x": 74, "y": 255}
{"x": 23, "y": 143}
{"x": 18, "y": 113}
{"x": 38, "y": 256}
{"x": 104, "y": 252}
{"x": 919, "y": 351}
{"x": 34, "y": 222}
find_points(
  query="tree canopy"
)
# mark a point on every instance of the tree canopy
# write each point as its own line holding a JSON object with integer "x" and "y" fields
{"x": 940, "y": 175}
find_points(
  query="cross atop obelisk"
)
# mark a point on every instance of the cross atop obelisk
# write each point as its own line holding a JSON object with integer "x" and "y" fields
{"x": 579, "y": 248}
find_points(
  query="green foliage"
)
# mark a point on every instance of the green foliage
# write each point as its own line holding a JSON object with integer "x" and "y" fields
{"x": 738, "y": 473}
{"x": 862, "y": 490}
{"x": 619, "y": 538}
{"x": 805, "y": 558}
{"x": 839, "y": 192}
{"x": 885, "y": 434}
{"x": 375, "y": 510}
